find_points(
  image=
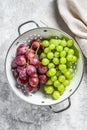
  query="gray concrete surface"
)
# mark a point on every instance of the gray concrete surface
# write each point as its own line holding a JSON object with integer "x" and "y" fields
{"x": 16, "y": 114}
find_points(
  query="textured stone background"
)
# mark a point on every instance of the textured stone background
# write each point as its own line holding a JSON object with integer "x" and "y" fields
{"x": 16, "y": 114}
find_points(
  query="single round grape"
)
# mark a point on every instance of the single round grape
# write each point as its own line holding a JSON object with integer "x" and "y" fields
{"x": 63, "y": 60}
{"x": 68, "y": 75}
{"x": 74, "y": 59}
{"x": 49, "y": 89}
{"x": 63, "y": 43}
{"x": 42, "y": 69}
{"x": 42, "y": 78}
{"x": 56, "y": 54}
{"x": 56, "y": 83}
{"x": 61, "y": 88}
{"x": 51, "y": 46}
{"x": 69, "y": 57}
{"x": 59, "y": 48}
{"x": 62, "y": 67}
{"x": 56, "y": 42}
{"x": 61, "y": 78}
{"x": 45, "y": 43}
{"x": 34, "y": 61}
{"x": 56, "y": 95}
{"x": 71, "y": 52}
{"x": 62, "y": 54}
{"x": 52, "y": 71}
{"x": 71, "y": 70}
{"x": 66, "y": 83}
{"x": 69, "y": 64}
{"x": 56, "y": 61}
{"x": 49, "y": 82}
{"x": 70, "y": 43}
{"x": 46, "y": 50}
{"x": 50, "y": 55}
{"x": 43, "y": 55}
{"x": 48, "y": 74}
{"x": 66, "y": 49}
{"x": 51, "y": 65}
{"x": 45, "y": 61}
{"x": 53, "y": 78}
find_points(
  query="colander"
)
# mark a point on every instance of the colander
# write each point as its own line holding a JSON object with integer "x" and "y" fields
{"x": 39, "y": 98}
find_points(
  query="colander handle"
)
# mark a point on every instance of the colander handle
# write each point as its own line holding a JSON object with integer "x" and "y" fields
{"x": 31, "y": 21}
{"x": 69, "y": 104}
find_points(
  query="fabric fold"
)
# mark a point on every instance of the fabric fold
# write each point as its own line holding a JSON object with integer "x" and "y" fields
{"x": 74, "y": 13}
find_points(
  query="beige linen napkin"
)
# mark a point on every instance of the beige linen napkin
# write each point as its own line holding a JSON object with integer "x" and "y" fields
{"x": 74, "y": 13}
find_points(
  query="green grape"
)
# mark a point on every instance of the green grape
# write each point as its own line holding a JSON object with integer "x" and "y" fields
{"x": 66, "y": 83}
{"x": 46, "y": 50}
{"x": 58, "y": 73}
{"x": 62, "y": 78}
{"x": 53, "y": 78}
{"x": 50, "y": 55}
{"x": 56, "y": 54}
{"x": 74, "y": 59}
{"x": 49, "y": 89}
{"x": 63, "y": 43}
{"x": 62, "y": 54}
{"x": 59, "y": 48}
{"x": 45, "y": 43}
{"x": 69, "y": 64}
{"x": 71, "y": 70}
{"x": 66, "y": 49}
{"x": 61, "y": 92}
{"x": 56, "y": 95}
{"x": 56, "y": 83}
{"x": 43, "y": 55}
{"x": 51, "y": 46}
{"x": 48, "y": 74}
{"x": 69, "y": 57}
{"x": 56, "y": 61}
{"x": 52, "y": 72}
{"x": 70, "y": 43}
{"x": 71, "y": 52}
{"x": 51, "y": 65}
{"x": 68, "y": 75}
{"x": 56, "y": 42}
{"x": 63, "y": 60}
{"x": 62, "y": 67}
{"x": 45, "y": 61}
{"x": 61, "y": 88}
{"x": 49, "y": 82}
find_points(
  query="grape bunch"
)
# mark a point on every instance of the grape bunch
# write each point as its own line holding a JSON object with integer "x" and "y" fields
{"x": 27, "y": 68}
{"x": 47, "y": 63}
{"x": 59, "y": 57}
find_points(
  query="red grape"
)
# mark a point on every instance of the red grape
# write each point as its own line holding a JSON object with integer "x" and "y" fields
{"x": 33, "y": 81}
{"x": 31, "y": 69}
{"x": 15, "y": 73}
{"x": 29, "y": 88}
{"x": 20, "y": 68}
{"x": 35, "y": 61}
{"x": 21, "y": 81}
{"x": 23, "y": 74}
{"x": 34, "y": 76}
{"x": 43, "y": 79}
{"x": 14, "y": 64}
{"x": 42, "y": 69}
{"x": 35, "y": 44}
{"x": 22, "y": 49}
{"x": 29, "y": 54}
{"x": 20, "y": 60}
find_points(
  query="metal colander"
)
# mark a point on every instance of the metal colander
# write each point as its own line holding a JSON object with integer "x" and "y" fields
{"x": 39, "y": 98}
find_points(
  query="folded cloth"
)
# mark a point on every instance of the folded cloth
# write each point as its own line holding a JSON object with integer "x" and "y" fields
{"x": 74, "y": 13}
